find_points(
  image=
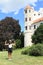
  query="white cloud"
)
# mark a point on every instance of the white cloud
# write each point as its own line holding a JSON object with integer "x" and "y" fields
{"x": 7, "y": 6}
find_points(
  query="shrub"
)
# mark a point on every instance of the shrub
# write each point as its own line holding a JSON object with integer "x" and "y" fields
{"x": 36, "y": 50}
{"x": 25, "y": 51}
{"x": 18, "y": 43}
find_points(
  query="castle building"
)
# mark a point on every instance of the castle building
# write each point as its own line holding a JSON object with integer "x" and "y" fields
{"x": 32, "y": 20}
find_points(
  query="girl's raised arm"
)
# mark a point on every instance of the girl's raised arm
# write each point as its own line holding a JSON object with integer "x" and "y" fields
{"x": 6, "y": 43}
{"x": 13, "y": 43}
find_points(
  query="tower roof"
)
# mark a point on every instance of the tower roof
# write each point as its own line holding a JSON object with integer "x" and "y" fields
{"x": 28, "y": 7}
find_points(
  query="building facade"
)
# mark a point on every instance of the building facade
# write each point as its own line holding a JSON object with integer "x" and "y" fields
{"x": 32, "y": 19}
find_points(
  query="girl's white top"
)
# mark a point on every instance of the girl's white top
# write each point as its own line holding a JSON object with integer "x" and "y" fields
{"x": 10, "y": 45}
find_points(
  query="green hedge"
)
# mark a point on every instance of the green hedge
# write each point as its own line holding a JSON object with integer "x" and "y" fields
{"x": 25, "y": 51}
{"x": 35, "y": 50}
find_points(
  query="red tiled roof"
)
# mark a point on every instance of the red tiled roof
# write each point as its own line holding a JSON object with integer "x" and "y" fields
{"x": 38, "y": 20}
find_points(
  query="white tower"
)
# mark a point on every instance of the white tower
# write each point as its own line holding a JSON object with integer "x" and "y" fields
{"x": 29, "y": 16}
{"x": 28, "y": 21}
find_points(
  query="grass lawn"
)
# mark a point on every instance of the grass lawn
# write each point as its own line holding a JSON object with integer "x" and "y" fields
{"x": 19, "y": 59}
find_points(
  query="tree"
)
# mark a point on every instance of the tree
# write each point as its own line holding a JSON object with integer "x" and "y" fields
{"x": 22, "y": 39}
{"x": 9, "y": 29}
{"x": 38, "y": 35}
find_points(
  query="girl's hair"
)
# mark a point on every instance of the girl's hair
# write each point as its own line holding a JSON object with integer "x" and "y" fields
{"x": 9, "y": 41}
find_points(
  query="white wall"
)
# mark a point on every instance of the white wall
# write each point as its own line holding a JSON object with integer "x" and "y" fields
{"x": 28, "y": 33}
{"x": 27, "y": 39}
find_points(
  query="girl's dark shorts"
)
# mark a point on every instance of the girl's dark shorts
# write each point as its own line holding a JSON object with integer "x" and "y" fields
{"x": 10, "y": 50}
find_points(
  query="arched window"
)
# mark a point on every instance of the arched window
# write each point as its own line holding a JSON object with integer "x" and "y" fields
{"x": 29, "y": 11}
{"x": 25, "y": 11}
{"x": 25, "y": 27}
{"x": 29, "y": 18}
{"x": 34, "y": 26}
{"x": 26, "y": 19}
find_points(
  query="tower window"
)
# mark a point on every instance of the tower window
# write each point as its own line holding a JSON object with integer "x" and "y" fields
{"x": 34, "y": 26}
{"x": 29, "y": 18}
{"x": 29, "y": 11}
{"x": 25, "y": 19}
{"x": 25, "y": 27}
{"x": 25, "y": 11}
{"x": 39, "y": 14}
{"x": 34, "y": 14}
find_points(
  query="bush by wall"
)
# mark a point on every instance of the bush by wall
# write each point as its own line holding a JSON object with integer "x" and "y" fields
{"x": 36, "y": 50}
{"x": 25, "y": 51}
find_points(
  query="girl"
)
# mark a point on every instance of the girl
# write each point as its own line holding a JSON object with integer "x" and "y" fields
{"x": 9, "y": 43}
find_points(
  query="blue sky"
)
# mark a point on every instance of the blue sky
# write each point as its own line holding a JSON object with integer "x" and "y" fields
{"x": 15, "y": 9}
